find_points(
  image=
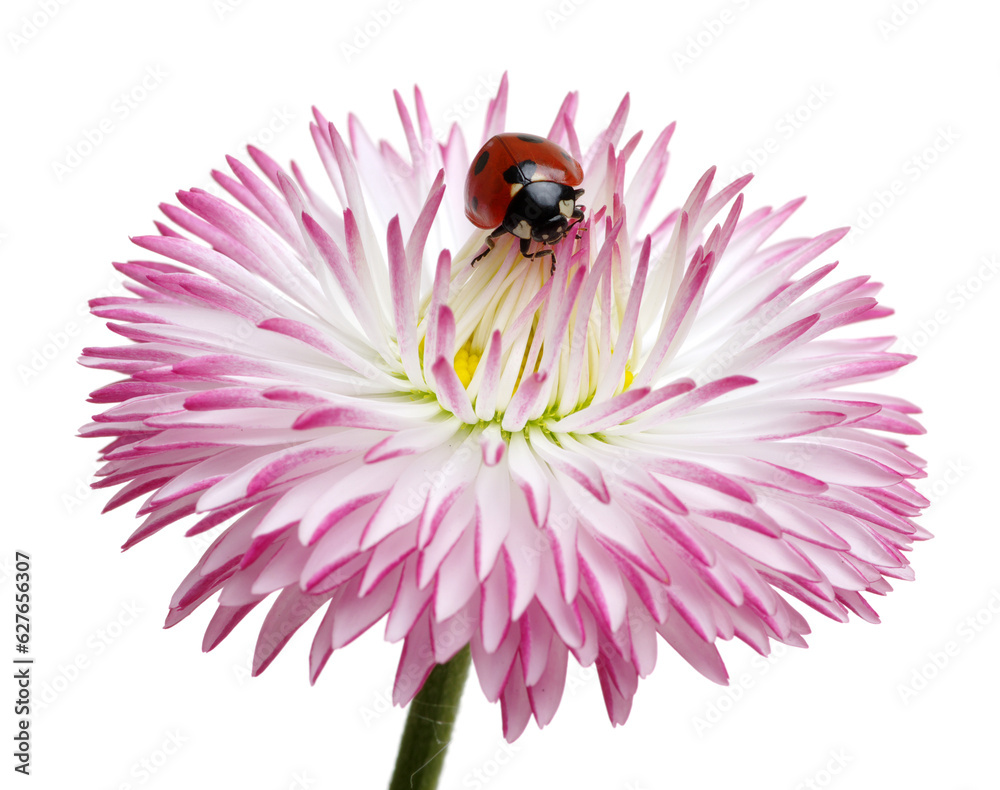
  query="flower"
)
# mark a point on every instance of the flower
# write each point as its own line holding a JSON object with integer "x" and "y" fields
{"x": 656, "y": 437}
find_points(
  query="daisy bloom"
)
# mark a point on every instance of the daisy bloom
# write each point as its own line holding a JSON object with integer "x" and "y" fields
{"x": 656, "y": 440}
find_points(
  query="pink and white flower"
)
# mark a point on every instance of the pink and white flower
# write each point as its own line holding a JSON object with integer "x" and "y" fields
{"x": 661, "y": 439}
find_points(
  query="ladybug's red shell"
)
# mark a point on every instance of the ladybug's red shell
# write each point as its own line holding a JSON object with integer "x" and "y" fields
{"x": 490, "y": 185}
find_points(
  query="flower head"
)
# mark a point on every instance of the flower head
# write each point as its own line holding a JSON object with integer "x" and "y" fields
{"x": 658, "y": 437}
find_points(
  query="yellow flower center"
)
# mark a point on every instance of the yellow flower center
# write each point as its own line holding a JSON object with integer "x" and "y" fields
{"x": 465, "y": 363}
{"x": 502, "y": 293}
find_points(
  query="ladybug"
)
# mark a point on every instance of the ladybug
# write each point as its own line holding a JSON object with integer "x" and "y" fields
{"x": 523, "y": 184}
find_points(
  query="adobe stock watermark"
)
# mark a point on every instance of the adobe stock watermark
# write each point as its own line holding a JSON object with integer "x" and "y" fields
{"x": 224, "y": 8}
{"x": 565, "y": 518}
{"x": 462, "y": 109}
{"x": 471, "y": 104}
{"x": 716, "y": 366}
{"x": 710, "y": 31}
{"x": 97, "y": 643}
{"x": 557, "y": 14}
{"x": 459, "y": 627}
{"x": 53, "y": 344}
{"x": 366, "y": 32}
{"x": 726, "y": 700}
{"x": 33, "y": 23}
{"x": 480, "y": 776}
{"x": 381, "y": 704}
{"x": 155, "y": 761}
{"x": 823, "y": 777}
{"x": 91, "y": 138}
{"x": 435, "y": 481}
{"x": 300, "y": 780}
{"x": 785, "y": 128}
{"x": 261, "y": 136}
{"x": 579, "y": 678}
{"x": 956, "y": 300}
{"x": 898, "y": 16}
{"x": 78, "y": 494}
{"x": 64, "y": 336}
{"x": 944, "y": 482}
{"x": 7, "y": 568}
{"x": 304, "y": 609}
{"x": 276, "y": 123}
{"x": 913, "y": 169}
{"x": 936, "y": 661}
{"x": 202, "y": 541}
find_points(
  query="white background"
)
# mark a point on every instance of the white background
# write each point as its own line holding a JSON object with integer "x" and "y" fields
{"x": 888, "y": 82}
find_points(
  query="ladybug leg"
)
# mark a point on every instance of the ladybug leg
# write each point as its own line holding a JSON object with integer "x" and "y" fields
{"x": 578, "y": 214}
{"x": 526, "y": 244}
{"x": 576, "y": 219}
{"x": 490, "y": 244}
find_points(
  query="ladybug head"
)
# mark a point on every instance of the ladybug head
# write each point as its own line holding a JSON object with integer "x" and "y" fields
{"x": 541, "y": 210}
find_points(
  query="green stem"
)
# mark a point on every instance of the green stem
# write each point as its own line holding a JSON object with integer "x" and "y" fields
{"x": 428, "y": 726}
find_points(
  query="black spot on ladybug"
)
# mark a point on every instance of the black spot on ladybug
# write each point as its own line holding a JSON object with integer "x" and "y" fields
{"x": 531, "y": 138}
{"x": 481, "y": 162}
{"x": 474, "y": 203}
{"x": 512, "y": 175}
{"x": 520, "y": 173}
{"x": 567, "y": 158}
